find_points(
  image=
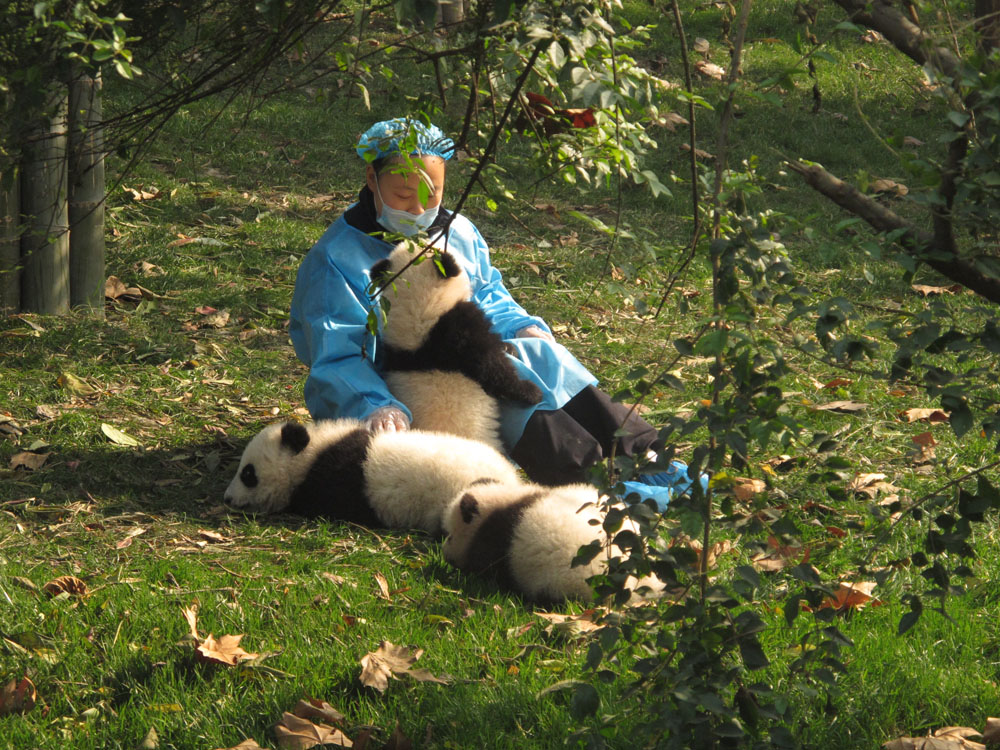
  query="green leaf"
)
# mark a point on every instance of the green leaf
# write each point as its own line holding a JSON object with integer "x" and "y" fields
{"x": 586, "y": 701}
{"x": 752, "y": 654}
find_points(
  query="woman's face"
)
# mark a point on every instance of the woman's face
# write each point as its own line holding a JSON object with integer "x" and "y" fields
{"x": 401, "y": 190}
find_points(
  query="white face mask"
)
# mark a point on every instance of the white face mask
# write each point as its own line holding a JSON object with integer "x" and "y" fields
{"x": 403, "y": 222}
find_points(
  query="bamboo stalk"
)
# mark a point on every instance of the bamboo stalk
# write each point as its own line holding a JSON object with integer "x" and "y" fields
{"x": 10, "y": 243}
{"x": 45, "y": 240}
{"x": 86, "y": 193}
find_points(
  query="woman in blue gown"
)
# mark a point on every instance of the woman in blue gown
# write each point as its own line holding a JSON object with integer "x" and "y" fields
{"x": 554, "y": 441}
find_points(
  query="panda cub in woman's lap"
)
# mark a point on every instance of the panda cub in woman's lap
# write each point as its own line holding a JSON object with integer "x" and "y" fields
{"x": 440, "y": 351}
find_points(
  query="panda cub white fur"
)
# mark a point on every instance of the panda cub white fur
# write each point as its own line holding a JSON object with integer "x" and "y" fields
{"x": 440, "y": 351}
{"x": 525, "y": 536}
{"x": 337, "y": 469}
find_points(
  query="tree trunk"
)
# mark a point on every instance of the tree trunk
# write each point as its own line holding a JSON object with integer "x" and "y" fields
{"x": 988, "y": 24}
{"x": 45, "y": 241}
{"x": 10, "y": 243}
{"x": 86, "y": 193}
{"x": 451, "y": 11}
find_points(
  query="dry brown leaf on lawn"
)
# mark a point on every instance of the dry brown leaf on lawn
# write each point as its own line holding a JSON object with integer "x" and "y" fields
{"x": 383, "y": 587}
{"x": 114, "y": 288}
{"x": 870, "y": 484}
{"x": 142, "y": 195}
{"x": 929, "y": 291}
{"x": 17, "y": 697}
{"x": 245, "y": 745}
{"x": 890, "y": 186}
{"x": 924, "y": 415}
{"x": 398, "y": 741}
{"x": 334, "y": 578}
{"x": 66, "y": 584}
{"x": 991, "y": 734}
{"x": 909, "y": 140}
{"x": 946, "y": 738}
{"x": 226, "y": 650}
{"x": 710, "y": 69}
{"x": 698, "y": 152}
{"x": 855, "y": 595}
{"x": 389, "y": 660}
{"x": 295, "y": 733}
{"x": 28, "y": 460}
{"x": 844, "y": 407}
{"x": 217, "y": 319}
{"x": 837, "y": 383}
{"x": 212, "y": 536}
{"x": 313, "y": 708}
{"x": 745, "y": 489}
{"x": 569, "y": 625}
{"x": 714, "y": 552}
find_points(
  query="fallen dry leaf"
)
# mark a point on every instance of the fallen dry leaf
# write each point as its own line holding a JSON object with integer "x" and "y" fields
{"x": 569, "y": 625}
{"x": 701, "y": 154}
{"x": 245, "y": 745}
{"x": 217, "y": 319}
{"x": 295, "y": 733}
{"x": 142, "y": 195}
{"x": 933, "y": 416}
{"x": 845, "y": 407}
{"x": 710, "y": 69}
{"x": 716, "y": 551}
{"x": 909, "y": 140}
{"x": 313, "y": 708}
{"x": 398, "y": 740}
{"x": 929, "y": 291}
{"x": 870, "y": 484}
{"x": 849, "y": 596}
{"x": 991, "y": 734}
{"x": 17, "y": 697}
{"x": 745, "y": 489}
{"x": 947, "y": 738}
{"x": 383, "y": 586}
{"x": 28, "y": 460}
{"x": 890, "y": 186}
{"x": 75, "y": 385}
{"x": 68, "y": 584}
{"x": 226, "y": 650}
{"x": 389, "y": 660}
{"x": 837, "y": 383}
{"x": 114, "y": 288}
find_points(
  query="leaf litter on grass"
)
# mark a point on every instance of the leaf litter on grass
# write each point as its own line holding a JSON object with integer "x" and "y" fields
{"x": 226, "y": 650}
{"x": 390, "y": 660}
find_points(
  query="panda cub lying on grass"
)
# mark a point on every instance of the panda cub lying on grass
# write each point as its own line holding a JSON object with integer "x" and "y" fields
{"x": 440, "y": 351}
{"x": 337, "y": 469}
{"x": 525, "y": 536}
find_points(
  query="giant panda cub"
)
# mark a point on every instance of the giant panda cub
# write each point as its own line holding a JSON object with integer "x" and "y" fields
{"x": 525, "y": 536}
{"x": 337, "y": 469}
{"x": 440, "y": 351}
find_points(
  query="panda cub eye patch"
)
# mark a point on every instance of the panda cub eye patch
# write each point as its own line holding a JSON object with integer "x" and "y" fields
{"x": 249, "y": 476}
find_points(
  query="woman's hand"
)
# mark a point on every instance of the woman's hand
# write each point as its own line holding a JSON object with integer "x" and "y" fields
{"x": 534, "y": 332}
{"x": 387, "y": 419}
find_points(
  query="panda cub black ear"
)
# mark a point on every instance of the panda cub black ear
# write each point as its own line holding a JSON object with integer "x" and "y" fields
{"x": 294, "y": 436}
{"x": 448, "y": 265}
{"x": 469, "y": 507}
{"x": 378, "y": 269}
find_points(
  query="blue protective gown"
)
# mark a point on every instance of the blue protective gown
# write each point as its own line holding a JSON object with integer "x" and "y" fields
{"x": 328, "y": 328}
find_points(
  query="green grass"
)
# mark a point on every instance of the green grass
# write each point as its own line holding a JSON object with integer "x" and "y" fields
{"x": 255, "y": 195}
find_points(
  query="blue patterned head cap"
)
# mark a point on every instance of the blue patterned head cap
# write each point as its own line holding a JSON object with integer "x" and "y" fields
{"x": 389, "y": 136}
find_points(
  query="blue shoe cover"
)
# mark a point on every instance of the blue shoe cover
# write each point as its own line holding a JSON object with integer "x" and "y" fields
{"x": 659, "y": 495}
{"x": 676, "y": 478}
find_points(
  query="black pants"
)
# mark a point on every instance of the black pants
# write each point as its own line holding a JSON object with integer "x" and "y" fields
{"x": 557, "y": 447}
